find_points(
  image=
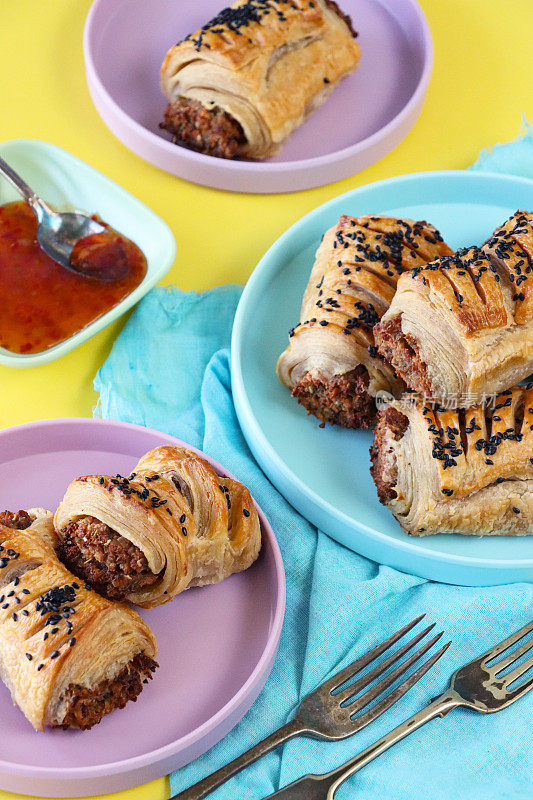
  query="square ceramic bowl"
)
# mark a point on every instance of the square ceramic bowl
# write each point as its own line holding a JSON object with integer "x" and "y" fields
{"x": 68, "y": 183}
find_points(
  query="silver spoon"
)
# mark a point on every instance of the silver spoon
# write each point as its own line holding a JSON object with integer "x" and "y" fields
{"x": 57, "y": 233}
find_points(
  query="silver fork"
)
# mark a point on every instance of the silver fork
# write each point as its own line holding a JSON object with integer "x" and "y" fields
{"x": 328, "y": 714}
{"x": 476, "y": 686}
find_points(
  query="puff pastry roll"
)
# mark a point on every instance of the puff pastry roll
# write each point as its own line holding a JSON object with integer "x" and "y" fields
{"x": 67, "y": 655}
{"x": 331, "y": 364}
{"x": 241, "y": 84}
{"x": 457, "y": 471}
{"x": 462, "y": 328}
{"x": 172, "y": 524}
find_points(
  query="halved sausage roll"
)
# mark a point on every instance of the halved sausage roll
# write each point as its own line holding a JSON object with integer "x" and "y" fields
{"x": 331, "y": 364}
{"x": 241, "y": 84}
{"x": 172, "y": 524}
{"x": 67, "y": 655}
{"x": 457, "y": 471}
{"x": 462, "y": 328}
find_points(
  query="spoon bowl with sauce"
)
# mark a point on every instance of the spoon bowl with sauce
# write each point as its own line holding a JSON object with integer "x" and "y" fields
{"x": 75, "y": 240}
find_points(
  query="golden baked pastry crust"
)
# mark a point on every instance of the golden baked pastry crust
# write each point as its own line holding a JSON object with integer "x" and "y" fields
{"x": 267, "y": 64}
{"x": 468, "y": 320}
{"x": 510, "y": 250}
{"x": 351, "y": 286}
{"x": 466, "y": 471}
{"x": 193, "y": 526}
{"x": 43, "y": 652}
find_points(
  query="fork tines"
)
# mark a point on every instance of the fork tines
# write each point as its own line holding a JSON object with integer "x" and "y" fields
{"x": 495, "y": 669}
{"x": 345, "y": 696}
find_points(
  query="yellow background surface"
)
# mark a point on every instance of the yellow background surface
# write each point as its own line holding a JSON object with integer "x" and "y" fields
{"x": 481, "y": 86}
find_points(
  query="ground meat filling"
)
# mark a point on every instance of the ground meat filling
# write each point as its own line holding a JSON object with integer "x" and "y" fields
{"x": 343, "y": 400}
{"x": 100, "y": 556}
{"x": 210, "y": 131}
{"x": 401, "y": 350}
{"x": 19, "y": 520}
{"x": 384, "y": 470}
{"x": 347, "y": 19}
{"x": 86, "y": 707}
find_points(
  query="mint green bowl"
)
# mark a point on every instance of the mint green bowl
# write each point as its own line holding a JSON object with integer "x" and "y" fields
{"x": 69, "y": 183}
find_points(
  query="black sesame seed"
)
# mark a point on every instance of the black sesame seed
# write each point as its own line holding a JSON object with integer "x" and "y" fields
{"x": 516, "y": 510}
{"x": 183, "y": 517}
{"x": 246, "y": 512}
{"x": 72, "y": 642}
{"x": 54, "y": 654}
{"x": 29, "y": 656}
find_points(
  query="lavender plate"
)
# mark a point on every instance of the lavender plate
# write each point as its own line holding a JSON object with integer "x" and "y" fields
{"x": 216, "y": 644}
{"x": 125, "y": 42}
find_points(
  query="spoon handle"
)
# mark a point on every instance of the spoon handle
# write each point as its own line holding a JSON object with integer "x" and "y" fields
{"x": 37, "y": 205}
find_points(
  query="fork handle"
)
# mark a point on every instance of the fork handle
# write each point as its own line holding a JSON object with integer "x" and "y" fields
{"x": 216, "y": 779}
{"x": 323, "y": 787}
{"x": 438, "y": 707}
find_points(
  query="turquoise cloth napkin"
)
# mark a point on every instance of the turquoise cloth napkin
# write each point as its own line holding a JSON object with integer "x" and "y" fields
{"x": 513, "y": 158}
{"x": 169, "y": 369}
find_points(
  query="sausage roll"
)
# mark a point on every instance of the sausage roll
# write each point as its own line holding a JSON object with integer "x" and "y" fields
{"x": 462, "y": 328}
{"x": 67, "y": 655}
{"x": 241, "y": 84}
{"x": 172, "y": 524}
{"x": 331, "y": 364}
{"x": 457, "y": 471}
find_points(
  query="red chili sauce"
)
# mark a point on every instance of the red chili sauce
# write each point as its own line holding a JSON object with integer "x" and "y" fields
{"x": 43, "y": 303}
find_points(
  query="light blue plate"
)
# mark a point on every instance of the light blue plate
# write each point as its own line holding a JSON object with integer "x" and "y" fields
{"x": 324, "y": 473}
{"x": 68, "y": 183}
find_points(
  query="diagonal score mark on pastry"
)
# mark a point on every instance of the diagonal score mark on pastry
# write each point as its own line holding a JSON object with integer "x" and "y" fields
{"x": 67, "y": 655}
{"x": 462, "y": 327}
{"x": 172, "y": 524}
{"x": 239, "y": 86}
{"x": 331, "y": 363}
{"x": 457, "y": 471}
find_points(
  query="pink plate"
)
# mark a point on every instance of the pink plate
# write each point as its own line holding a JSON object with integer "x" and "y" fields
{"x": 125, "y": 42}
{"x": 216, "y": 644}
